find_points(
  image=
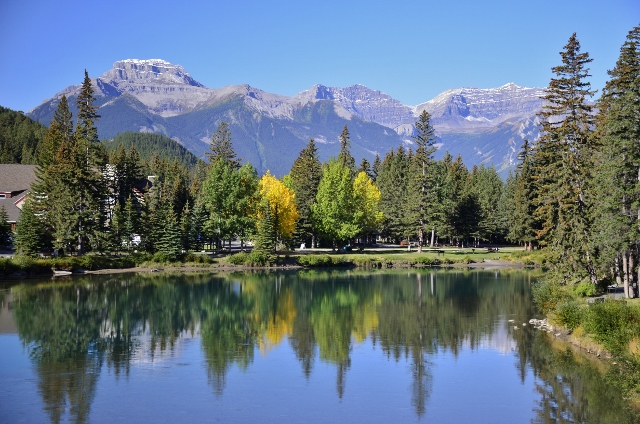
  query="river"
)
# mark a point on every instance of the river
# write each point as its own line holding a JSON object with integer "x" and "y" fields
{"x": 446, "y": 346}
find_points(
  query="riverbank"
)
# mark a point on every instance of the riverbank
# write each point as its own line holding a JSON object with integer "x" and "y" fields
{"x": 12, "y": 268}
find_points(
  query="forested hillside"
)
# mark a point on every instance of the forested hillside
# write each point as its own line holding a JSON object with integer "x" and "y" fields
{"x": 19, "y": 137}
{"x": 149, "y": 145}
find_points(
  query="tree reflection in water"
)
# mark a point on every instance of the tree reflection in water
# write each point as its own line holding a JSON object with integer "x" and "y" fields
{"x": 73, "y": 328}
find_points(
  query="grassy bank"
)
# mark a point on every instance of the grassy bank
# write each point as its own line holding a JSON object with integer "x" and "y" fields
{"x": 605, "y": 326}
{"x": 392, "y": 258}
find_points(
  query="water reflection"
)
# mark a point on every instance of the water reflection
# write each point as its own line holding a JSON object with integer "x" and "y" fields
{"x": 72, "y": 329}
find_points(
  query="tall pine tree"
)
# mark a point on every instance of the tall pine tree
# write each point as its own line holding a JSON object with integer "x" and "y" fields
{"x": 563, "y": 165}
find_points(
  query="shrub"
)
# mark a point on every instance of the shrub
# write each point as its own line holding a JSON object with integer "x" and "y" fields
{"x": 238, "y": 258}
{"x": 315, "y": 260}
{"x": 585, "y": 289}
{"x": 198, "y": 258}
{"x": 547, "y": 293}
{"x": 612, "y": 323}
{"x": 366, "y": 262}
{"x": 467, "y": 260}
{"x": 569, "y": 314}
{"x": 259, "y": 259}
{"x": 161, "y": 258}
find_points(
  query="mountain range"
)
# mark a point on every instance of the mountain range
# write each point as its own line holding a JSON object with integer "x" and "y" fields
{"x": 483, "y": 125}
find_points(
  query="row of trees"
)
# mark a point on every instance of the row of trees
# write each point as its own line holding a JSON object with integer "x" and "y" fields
{"x": 86, "y": 199}
{"x": 577, "y": 190}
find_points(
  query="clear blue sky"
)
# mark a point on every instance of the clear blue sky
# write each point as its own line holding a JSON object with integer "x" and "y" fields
{"x": 411, "y": 50}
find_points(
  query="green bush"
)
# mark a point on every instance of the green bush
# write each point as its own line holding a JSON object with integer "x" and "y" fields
{"x": 612, "y": 323}
{"x": 198, "y": 258}
{"x": 569, "y": 314}
{"x": 547, "y": 293}
{"x": 238, "y": 258}
{"x": 7, "y": 266}
{"x": 366, "y": 262}
{"x": 585, "y": 289}
{"x": 161, "y": 258}
{"x": 468, "y": 260}
{"x": 259, "y": 259}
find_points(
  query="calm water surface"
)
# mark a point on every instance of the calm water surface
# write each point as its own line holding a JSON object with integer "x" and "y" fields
{"x": 308, "y": 346}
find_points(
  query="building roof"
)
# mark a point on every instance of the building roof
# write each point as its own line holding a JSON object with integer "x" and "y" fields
{"x": 14, "y": 177}
{"x": 13, "y": 211}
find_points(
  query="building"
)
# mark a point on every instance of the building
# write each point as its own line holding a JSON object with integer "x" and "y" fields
{"x": 15, "y": 183}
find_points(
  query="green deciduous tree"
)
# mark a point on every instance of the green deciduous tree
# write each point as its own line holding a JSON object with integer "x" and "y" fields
{"x": 333, "y": 211}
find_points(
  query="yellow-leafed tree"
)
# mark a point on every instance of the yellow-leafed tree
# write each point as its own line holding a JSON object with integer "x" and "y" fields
{"x": 282, "y": 204}
{"x": 366, "y": 198}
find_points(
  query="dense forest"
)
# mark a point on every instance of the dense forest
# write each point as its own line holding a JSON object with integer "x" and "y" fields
{"x": 149, "y": 145}
{"x": 20, "y": 137}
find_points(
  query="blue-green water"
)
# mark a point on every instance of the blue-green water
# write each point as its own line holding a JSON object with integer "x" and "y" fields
{"x": 307, "y": 346}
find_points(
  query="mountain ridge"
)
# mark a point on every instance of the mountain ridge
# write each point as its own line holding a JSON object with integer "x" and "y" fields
{"x": 157, "y": 96}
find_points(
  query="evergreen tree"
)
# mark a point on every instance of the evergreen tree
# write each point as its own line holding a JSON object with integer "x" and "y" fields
{"x": 222, "y": 147}
{"x": 60, "y": 131}
{"x": 420, "y": 188}
{"x": 265, "y": 242}
{"x": 197, "y": 236}
{"x": 563, "y": 165}
{"x": 392, "y": 181}
{"x": 169, "y": 239}
{"x": 306, "y": 173}
{"x": 488, "y": 187}
{"x": 375, "y": 168}
{"x": 365, "y": 167}
{"x": 29, "y": 232}
{"x": 617, "y": 185}
{"x": 522, "y": 223}
{"x": 344, "y": 157}
{"x": 5, "y": 228}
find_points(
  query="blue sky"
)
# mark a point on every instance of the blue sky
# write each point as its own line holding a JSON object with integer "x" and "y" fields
{"x": 411, "y": 50}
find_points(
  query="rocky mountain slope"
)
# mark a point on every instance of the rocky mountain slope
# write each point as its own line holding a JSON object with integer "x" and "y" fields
{"x": 483, "y": 125}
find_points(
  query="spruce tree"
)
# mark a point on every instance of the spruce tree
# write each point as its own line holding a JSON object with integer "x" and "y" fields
{"x": 5, "y": 228}
{"x": 29, "y": 232}
{"x": 306, "y": 173}
{"x": 365, "y": 167}
{"x": 392, "y": 181}
{"x": 265, "y": 241}
{"x": 222, "y": 147}
{"x": 375, "y": 167}
{"x": 344, "y": 157}
{"x": 563, "y": 165}
{"x": 522, "y": 223}
{"x": 617, "y": 180}
{"x": 420, "y": 189}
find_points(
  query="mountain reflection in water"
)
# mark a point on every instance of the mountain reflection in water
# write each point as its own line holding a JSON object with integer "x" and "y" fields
{"x": 395, "y": 341}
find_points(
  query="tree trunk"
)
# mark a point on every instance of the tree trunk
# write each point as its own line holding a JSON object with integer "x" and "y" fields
{"x": 631, "y": 277}
{"x": 625, "y": 274}
{"x": 433, "y": 235}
